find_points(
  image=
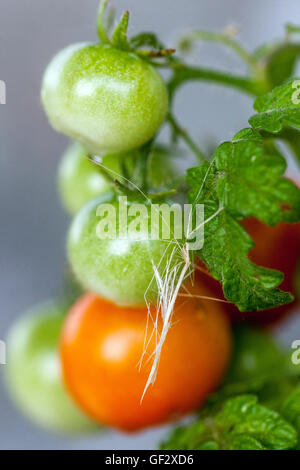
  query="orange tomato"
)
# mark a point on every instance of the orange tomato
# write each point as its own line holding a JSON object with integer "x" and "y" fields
{"x": 276, "y": 248}
{"x": 102, "y": 345}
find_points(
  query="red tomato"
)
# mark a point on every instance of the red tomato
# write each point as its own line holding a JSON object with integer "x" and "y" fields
{"x": 102, "y": 345}
{"x": 277, "y": 248}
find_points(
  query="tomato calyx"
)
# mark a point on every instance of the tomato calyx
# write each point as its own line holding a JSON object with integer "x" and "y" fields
{"x": 119, "y": 38}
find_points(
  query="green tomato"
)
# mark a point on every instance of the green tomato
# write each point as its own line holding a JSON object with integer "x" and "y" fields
{"x": 110, "y": 100}
{"x": 33, "y": 371}
{"x": 80, "y": 180}
{"x": 120, "y": 268}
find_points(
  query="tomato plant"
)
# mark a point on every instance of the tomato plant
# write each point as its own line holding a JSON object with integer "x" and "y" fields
{"x": 102, "y": 346}
{"x": 33, "y": 371}
{"x": 110, "y": 99}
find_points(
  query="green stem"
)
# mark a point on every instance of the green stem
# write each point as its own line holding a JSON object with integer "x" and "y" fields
{"x": 186, "y": 137}
{"x": 186, "y": 73}
{"x": 100, "y": 22}
{"x": 227, "y": 40}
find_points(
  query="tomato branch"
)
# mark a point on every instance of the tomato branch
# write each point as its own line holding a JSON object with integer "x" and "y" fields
{"x": 185, "y": 73}
{"x": 186, "y": 137}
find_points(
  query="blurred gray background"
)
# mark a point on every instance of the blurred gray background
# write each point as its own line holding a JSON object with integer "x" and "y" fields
{"x": 32, "y": 224}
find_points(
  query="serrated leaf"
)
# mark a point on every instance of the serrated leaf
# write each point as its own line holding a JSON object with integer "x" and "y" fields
{"x": 240, "y": 424}
{"x": 248, "y": 134}
{"x": 242, "y": 181}
{"x": 244, "y": 416}
{"x": 252, "y": 184}
{"x": 119, "y": 36}
{"x": 246, "y": 177}
{"x": 225, "y": 250}
{"x": 279, "y": 108}
{"x": 281, "y": 63}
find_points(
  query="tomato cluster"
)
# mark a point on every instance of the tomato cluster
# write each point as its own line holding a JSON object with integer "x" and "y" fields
{"x": 112, "y": 101}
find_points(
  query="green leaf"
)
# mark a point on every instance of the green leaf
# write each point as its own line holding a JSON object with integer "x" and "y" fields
{"x": 248, "y": 134}
{"x": 291, "y": 137}
{"x": 245, "y": 443}
{"x": 258, "y": 406}
{"x": 192, "y": 437}
{"x": 209, "y": 445}
{"x": 244, "y": 179}
{"x": 291, "y": 409}
{"x": 203, "y": 182}
{"x": 281, "y": 63}
{"x": 251, "y": 183}
{"x": 225, "y": 251}
{"x": 241, "y": 424}
{"x": 244, "y": 416}
{"x": 119, "y": 37}
{"x": 279, "y": 108}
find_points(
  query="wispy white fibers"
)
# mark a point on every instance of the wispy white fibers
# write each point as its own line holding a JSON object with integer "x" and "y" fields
{"x": 168, "y": 288}
{"x": 169, "y": 280}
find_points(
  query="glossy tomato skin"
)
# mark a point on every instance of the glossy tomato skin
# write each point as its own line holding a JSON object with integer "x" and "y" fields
{"x": 33, "y": 372}
{"x": 275, "y": 247}
{"x": 119, "y": 269}
{"x": 102, "y": 346}
{"x": 110, "y": 100}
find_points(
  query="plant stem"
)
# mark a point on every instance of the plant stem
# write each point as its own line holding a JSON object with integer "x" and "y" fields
{"x": 186, "y": 73}
{"x": 186, "y": 137}
{"x": 100, "y": 22}
{"x": 227, "y": 40}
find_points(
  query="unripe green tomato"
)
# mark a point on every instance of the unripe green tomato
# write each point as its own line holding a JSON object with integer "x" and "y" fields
{"x": 110, "y": 100}
{"x": 119, "y": 269}
{"x": 80, "y": 180}
{"x": 33, "y": 371}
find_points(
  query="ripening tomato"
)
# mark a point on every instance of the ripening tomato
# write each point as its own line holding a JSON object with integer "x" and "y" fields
{"x": 33, "y": 371}
{"x": 275, "y": 247}
{"x": 119, "y": 266}
{"x": 80, "y": 180}
{"x": 110, "y": 100}
{"x": 105, "y": 371}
